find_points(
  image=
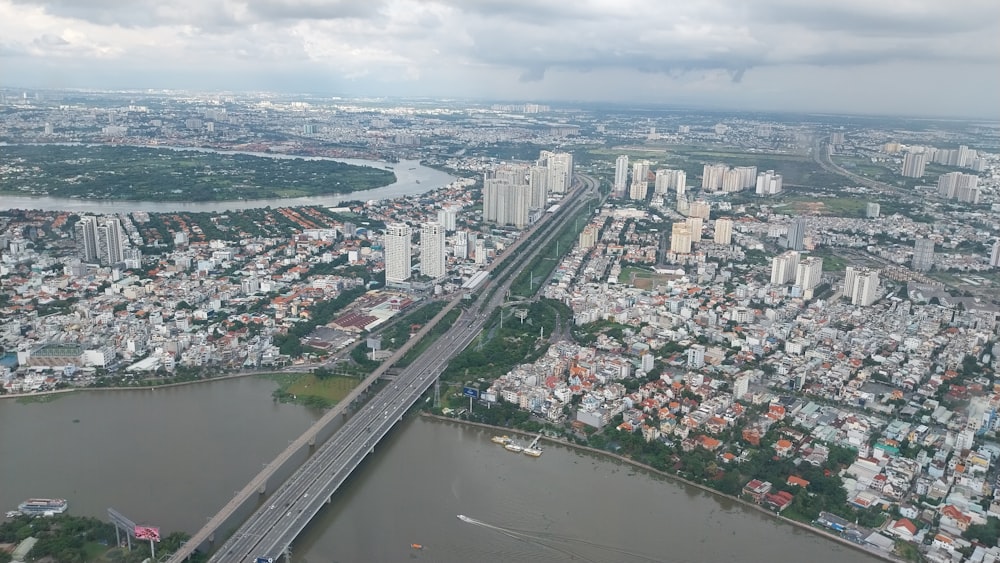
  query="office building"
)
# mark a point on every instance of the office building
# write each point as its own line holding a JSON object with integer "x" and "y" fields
{"x": 913, "y": 164}
{"x": 621, "y": 176}
{"x": 784, "y": 267}
{"x": 432, "y": 262}
{"x": 724, "y": 231}
{"x": 768, "y": 183}
{"x": 873, "y": 210}
{"x": 923, "y": 255}
{"x": 809, "y": 272}
{"x": 397, "y": 253}
{"x": 796, "y": 234}
{"x": 680, "y": 238}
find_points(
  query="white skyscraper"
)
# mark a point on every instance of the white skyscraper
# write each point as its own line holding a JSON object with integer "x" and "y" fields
{"x": 995, "y": 254}
{"x": 696, "y": 225}
{"x": 783, "y": 267}
{"x": 723, "y": 231}
{"x": 621, "y": 175}
{"x": 768, "y": 183}
{"x": 432, "y": 262}
{"x": 506, "y": 203}
{"x": 680, "y": 238}
{"x": 913, "y": 164}
{"x": 461, "y": 247}
{"x": 538, "y": 180}
{"x": 861, "y": 285}
{"x": 809, "y": 272}
{"x": 560, "y": 167}
{"x": 446, "y": 216}
{"x": 85, "y": 231}
{"x": 741, "y": 386}
{"x": 110, "y": 247}
{"x": 712, "y": 176}
{"x": 640, "y": 183}
{"x": 397, "y": 253}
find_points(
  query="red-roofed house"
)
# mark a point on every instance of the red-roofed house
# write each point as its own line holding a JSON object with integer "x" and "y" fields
{"x": 903, "y": 529}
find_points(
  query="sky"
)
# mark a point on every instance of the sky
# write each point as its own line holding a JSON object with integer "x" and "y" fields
{"x": 900, "y": 57}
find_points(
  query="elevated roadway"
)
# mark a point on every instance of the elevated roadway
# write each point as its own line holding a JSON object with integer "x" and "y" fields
{"x": 271, "y": 529}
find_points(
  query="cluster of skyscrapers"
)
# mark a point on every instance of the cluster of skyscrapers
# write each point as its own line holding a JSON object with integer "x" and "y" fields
{"x": 956, "y": 185}
{"x": 101, "y": 240}
{"x": 719, "y": 177}
{"x": 666, "y": 179}
{"x": 515, "y": 194}
{"x": 398, "y": 256}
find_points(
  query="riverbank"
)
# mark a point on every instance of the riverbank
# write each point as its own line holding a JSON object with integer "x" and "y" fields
{"x": 801, "y": 525}
{"x": 31, "y": 397}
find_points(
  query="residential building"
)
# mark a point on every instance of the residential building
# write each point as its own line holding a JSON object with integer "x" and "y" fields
{"x": 680, "y": 238}
{"x": 397, "y": 252}
{"x": 809, "y": 272}
{"x": 783, "y": 267}
{"x": 913, "y": 164}
{"x": 873, "y": 210}
{"x": 768, "y": 183}
{"x": 724, "y": 231}
{"x": 640, "y": 183}
{"x": 861, "y": 285}
{"x": 432, "y": 261}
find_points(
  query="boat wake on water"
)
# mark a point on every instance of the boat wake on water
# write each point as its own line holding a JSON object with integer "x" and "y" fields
{"x": 556, "y": 542}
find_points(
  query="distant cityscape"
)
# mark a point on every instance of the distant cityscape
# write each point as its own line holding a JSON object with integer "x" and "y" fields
{"x": 799, "y": 311}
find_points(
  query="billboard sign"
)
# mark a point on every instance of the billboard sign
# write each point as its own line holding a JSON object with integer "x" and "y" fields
{"x": 147, "y": 533}
{"x": 470, "y": 392}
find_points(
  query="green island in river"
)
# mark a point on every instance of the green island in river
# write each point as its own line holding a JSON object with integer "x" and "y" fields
{"x": 160, "y": 174}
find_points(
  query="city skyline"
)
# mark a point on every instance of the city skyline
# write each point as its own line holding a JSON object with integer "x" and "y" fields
{"x": 780, "y": 56}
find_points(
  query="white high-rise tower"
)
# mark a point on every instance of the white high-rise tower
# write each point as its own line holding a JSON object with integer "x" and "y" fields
{"x": 397, "y": 252}
{"x": 432, "y": 263}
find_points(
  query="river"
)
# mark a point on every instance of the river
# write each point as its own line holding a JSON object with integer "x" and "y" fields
{"x": 412, "y": 178}
{"x": 169, "y": 457}
{"x": 172, "y": 457}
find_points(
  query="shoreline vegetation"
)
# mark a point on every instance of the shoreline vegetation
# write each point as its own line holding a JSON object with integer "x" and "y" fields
{"x": 136, "y": 173}
{"x": 51, "y": 395}
{"x": 668, "y": 476}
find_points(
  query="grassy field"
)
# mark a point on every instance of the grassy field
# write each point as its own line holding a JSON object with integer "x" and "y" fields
{"x": 827, "y": 206}
{"x": 831, "y": 262}
{"x": 307, "y": 389}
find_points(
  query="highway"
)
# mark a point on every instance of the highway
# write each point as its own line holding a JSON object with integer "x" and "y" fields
{"x": 272, "y": 528}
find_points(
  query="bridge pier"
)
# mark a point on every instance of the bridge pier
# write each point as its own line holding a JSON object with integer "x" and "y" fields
{"x": 262, "y": 489}
{"x": 312, "y": 441}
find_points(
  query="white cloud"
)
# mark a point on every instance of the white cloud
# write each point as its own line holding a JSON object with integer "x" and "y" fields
{"x": 527, "y": 47}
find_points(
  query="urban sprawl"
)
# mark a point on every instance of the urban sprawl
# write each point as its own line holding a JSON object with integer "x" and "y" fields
{"x": 801, "y": 313}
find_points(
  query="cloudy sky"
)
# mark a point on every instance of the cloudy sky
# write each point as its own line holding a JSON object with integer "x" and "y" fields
{"x": 916, "y": 57}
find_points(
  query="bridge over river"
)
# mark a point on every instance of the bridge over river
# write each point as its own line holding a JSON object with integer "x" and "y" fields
{"x": 270, "y": 529}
